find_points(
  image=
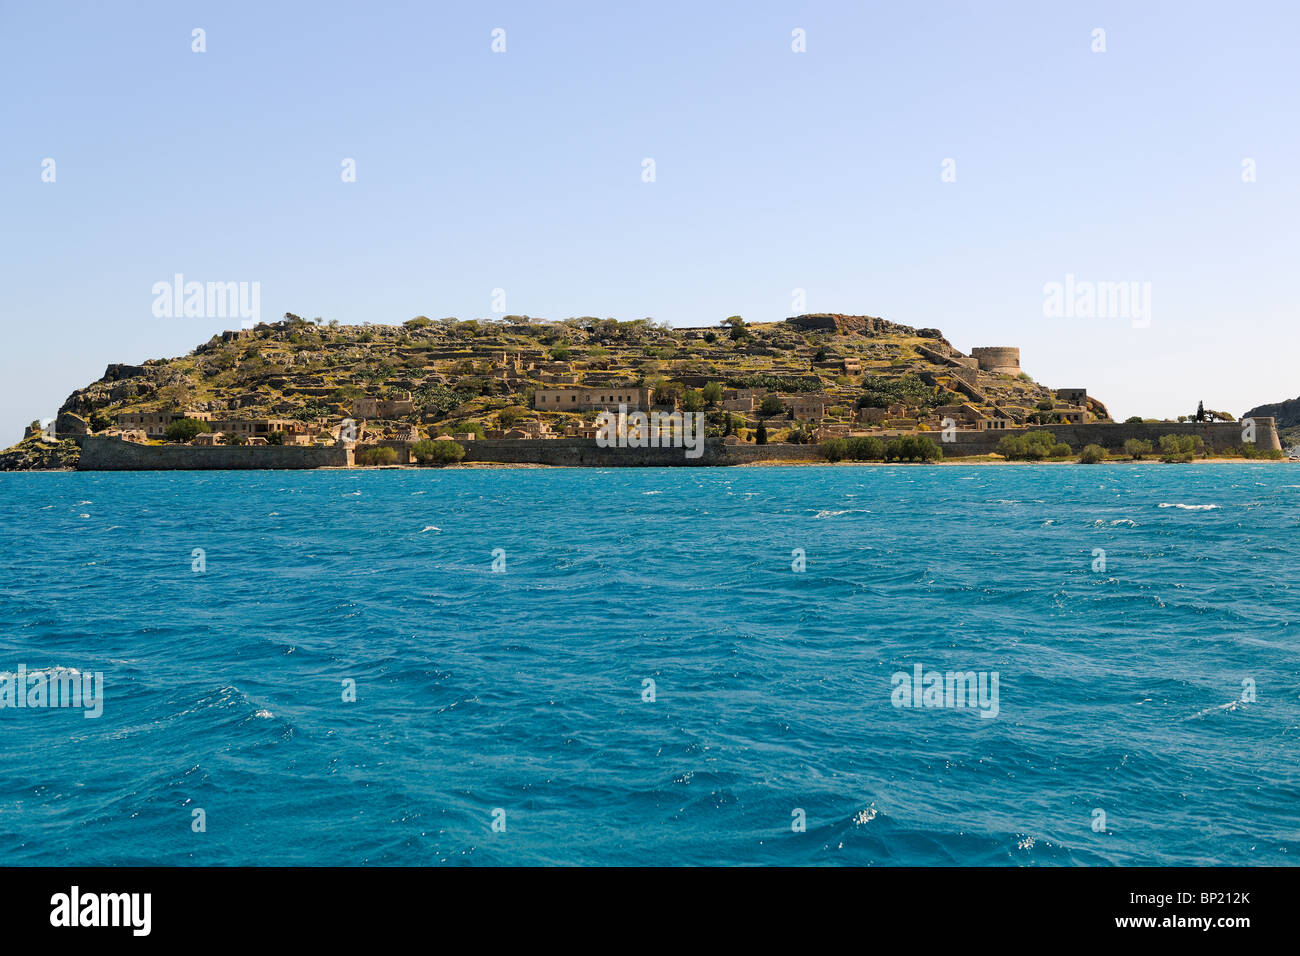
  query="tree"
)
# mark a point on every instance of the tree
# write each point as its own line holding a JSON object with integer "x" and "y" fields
{"x": 1092, "y": 454}
{"x": 854, "y": 449}
{"x": 275, "y": 438}
{"x": 737, "y": 326}
{"x": 770, "y": 405}
{"x": 668, "y": 393}
{"x": 1137, "y": 447}
{"x": 712, "y": 393}
{"x": 419, "y": 322}
{"x": 185, "y": 429}
{"x": 760, "y": 434}
{"x": 912, "y": 448}
{"x": 692, "y": 400}
{"x": 234, "y": 439}
{"x": 433, "y": 452}
{"x": 510, "y": 414}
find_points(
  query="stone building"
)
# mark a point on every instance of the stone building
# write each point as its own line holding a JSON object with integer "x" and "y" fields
{"x": 371, "y": 407}
{"x": 292, "y": 432}
{"x": 962, "y": 414}
{"x": 607, "y": 398}
{"x": 154, "y": 424}
{"x": 805, "y": 407}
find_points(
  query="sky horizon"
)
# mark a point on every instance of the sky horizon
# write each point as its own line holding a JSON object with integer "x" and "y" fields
{"x": 994, "y": 174}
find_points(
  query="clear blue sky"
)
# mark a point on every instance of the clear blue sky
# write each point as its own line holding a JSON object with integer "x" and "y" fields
{"x": 775, "y": 171}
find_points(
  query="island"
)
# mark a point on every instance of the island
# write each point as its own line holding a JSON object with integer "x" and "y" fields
{"x": 823, "y": 387}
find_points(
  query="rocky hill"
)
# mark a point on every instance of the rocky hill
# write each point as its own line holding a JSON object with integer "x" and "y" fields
{"x": 459, "y": 375}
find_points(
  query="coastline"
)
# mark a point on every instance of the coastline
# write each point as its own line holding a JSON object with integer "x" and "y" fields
{"x": 769, "y": 463}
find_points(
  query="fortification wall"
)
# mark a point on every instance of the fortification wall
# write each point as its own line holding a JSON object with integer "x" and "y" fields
{"x": 585, "y": 452}
{"x": 99, "y": 453}
{"x": 102, "y": 453}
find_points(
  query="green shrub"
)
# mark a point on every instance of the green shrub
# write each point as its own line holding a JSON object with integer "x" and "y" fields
{"x": 185, "y": 429}
{"x": 433, "y": 452}
{"x": 882, "y": 391}
{"x": 469, "y": 428}
{"x": 1034, "y": 446}
{"x": 776, "y": 383}
{"x": 1180, "y": 448}
{"x": 1254, "y": 451}
{"x": 381, "y": 455}
{"x": 1092, "y": 454}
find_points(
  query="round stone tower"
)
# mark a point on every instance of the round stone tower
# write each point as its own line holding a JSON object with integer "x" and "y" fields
{"x": 999, "y": 359}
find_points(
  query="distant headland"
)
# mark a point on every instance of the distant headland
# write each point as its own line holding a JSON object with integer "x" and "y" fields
{"x": 517, "y": 390}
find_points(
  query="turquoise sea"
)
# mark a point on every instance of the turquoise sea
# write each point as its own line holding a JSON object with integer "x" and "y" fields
{"x": 1143, "y": 623}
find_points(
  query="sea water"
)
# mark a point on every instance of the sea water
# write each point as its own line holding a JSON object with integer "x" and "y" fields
{"x": 655, "y": 666}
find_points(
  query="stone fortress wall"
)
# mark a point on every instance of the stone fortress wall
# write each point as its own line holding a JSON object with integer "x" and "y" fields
{"x": 113, "y": 454}
{"x": 108, "y": 453}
